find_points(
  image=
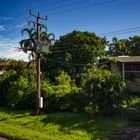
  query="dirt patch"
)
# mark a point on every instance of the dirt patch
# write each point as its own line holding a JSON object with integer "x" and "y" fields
{"x": 3, "y": 138}
{"x": 129, "y": 133}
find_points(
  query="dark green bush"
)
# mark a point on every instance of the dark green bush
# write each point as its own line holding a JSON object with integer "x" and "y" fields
{"x": 106, "y": 90}
{"x": 5, "y": 80}
{"x": 21, "y": 93}
{"x": 17, "y": 86}
{"x": 73, "y": 102}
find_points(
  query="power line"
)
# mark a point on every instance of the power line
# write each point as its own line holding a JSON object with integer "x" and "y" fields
{"x": 25, "y": 11}
{"x": 74, "y": 64}
{"x": 84, "y": 7}
{"x": 63, "y": 50}
{"x": 127, "y": 32}
{"x": 123, "y": 33}
{"x": 68, "y": 5}
{"x": 55, "y": 3}
{"x": 119, "y": 31}
{"x": 49, "y": 4}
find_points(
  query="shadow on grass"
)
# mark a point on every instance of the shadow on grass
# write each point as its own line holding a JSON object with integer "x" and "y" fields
{"x": 1, "y": 120}
{"x": 14, "y": 113}
{"x": 98, "y": 127}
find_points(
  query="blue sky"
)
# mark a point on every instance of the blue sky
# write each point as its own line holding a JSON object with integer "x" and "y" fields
{"x": 64, "y": 16}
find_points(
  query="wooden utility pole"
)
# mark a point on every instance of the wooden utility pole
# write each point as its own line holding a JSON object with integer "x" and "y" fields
{"x": 39, "y": 99}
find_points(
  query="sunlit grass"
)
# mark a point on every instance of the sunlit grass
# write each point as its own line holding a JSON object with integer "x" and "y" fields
{"x": 57, "y": 126}
{"x": 135, "y": 103}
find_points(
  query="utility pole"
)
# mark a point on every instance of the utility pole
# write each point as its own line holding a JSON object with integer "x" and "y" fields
{"x": 39, "y": 99}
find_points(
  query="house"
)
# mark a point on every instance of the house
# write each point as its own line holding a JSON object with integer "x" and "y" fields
{"x": 3, "y": 66}
{"x": 128, "y": 66}
{"x": 6, "y": 64}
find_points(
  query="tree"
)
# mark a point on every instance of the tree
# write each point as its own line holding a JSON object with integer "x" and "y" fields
{"x": 106, "y": 90}
{"x": 74, "y": 51}
{"x": 16, "y": 84}
{"x": 129, "y": 46}
{"x": 31, "y": 44}
{"x": 134, "y": 45}
{"x": 119, "y": 47}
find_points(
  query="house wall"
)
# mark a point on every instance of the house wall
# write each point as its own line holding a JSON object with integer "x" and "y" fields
{"x": 131, "y": 74}
{"x": 1, "y": 70}
{"x": 132, "y": 70}
{"x": 115, "y": 68}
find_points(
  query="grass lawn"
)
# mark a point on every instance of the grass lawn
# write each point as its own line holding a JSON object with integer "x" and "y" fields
{"x": 57, "y": 126}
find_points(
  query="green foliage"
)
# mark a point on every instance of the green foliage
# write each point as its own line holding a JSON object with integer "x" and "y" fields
{"x": 68, "y": 83}
{"x": 129, "y": 46}
{"x": 21, "y": 93}
{"x": 63, "y": 79}
{"x": 107, "y": 90}
{"x": 119, "y": 47}
{"x": 5, "y": 80}
{"x": 132, "y": 113}
{"x": 134, "y": 45}
{"x": 63, "y": 96}
{"x": 135, "y": 103}
{"x": 31, "y": 44}
{"x": 71, "y": 49}
{"x": 17, "y": 86}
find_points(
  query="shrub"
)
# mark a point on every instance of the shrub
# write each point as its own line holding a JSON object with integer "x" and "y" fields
{"x": 106, "y": 90}
{"x": 5, "y": 80}
{"x": 20, "y": 94}
{"x": 17, "y": 86}
{"x": 63, "y": 96}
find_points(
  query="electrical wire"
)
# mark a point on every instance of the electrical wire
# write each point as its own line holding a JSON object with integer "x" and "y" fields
{"x": 67, "y": 5}
{"x": 119, "y": 31}
{"x": 74, "y": 64}
{"x": 123, "y": 33}
{"x": 84, "y": 7}
{"x": 48, "y": 4}
{"x": 25, "y": 11}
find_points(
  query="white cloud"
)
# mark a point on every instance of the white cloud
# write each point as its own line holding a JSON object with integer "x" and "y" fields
{"x": 6, "y": 18}
{"x": 17, "y": 55}
{"x": 8, "y": 49}
{"x": 2, "y": 28}
{"x": 20, "y": 25}
{"x": 14, "y": 27}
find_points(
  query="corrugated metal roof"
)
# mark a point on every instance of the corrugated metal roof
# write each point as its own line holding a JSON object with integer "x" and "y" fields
{"x": 126, "y": 58}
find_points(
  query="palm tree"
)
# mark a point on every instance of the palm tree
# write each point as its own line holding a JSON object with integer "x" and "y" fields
{"x": 119, "y": 47}
{"x": 31, "y": 44}
{"x": 37, "y": 49}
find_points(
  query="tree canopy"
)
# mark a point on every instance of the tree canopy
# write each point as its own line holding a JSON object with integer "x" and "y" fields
{"x": 76, "y": 50}
{"x": 130, "y": 46}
